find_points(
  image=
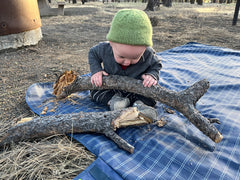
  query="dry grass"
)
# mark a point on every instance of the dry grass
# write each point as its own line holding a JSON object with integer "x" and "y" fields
{"x": 65, "y": 44}
{"x": 51, "y": 158}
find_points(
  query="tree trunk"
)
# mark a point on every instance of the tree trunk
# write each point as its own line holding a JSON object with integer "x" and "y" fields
{"x": 200, "y": 2}
{"x": 236, "y": 12}
{"x": 183, "y": 101}
{"x": 167, "y": 3}
{"x": 150, "y": 5}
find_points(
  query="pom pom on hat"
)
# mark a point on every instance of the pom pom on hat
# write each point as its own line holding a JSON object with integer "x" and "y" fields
{"x": 131, "y": 26}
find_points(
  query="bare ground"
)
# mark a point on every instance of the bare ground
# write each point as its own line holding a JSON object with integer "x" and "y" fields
{"x": 65, "y": 44}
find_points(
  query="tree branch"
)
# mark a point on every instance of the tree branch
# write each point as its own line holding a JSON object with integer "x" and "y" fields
{"x": 183, "y": 101}
{"x": 100, "y": 122}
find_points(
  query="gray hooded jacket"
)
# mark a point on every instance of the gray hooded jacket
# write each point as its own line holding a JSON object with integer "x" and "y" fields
{"x": 101, "y": 58}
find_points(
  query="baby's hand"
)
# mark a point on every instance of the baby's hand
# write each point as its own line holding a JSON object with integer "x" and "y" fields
{"x": 96, "y": 78}
{"x": 148, "y": 80}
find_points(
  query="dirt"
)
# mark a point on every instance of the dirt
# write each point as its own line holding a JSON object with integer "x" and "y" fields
{"x": 64, "y": 46}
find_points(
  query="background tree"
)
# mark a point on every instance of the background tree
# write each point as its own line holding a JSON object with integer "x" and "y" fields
{"x": 167, "y": 3}
{"x": 236, "y": 12}
{"x": 150, "y": 5}
{"x": 200, "y": 2}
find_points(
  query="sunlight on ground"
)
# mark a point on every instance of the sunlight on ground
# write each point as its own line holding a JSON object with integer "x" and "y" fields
{"x": 207, "y": 10}
{"x": 213, "y": 10}
{"x": 224, "y": 8}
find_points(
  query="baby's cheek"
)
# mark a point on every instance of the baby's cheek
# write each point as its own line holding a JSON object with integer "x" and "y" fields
{"x": 134, "y": 61}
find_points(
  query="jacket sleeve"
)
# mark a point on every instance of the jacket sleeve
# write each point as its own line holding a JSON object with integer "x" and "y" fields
{"x": 155, "y": 64}
{"x": 95, "y": 59}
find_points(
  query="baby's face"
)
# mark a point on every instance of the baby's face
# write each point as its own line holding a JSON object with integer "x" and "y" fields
{"x": 125, "y": 54}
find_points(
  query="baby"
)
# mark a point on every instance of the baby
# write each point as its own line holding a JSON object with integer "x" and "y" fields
{"x": 127, "y": 52}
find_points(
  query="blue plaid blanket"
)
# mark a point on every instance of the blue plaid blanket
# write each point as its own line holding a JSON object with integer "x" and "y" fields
{"x": 178, "y": 150}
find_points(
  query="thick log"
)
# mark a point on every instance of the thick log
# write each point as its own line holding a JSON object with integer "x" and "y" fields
{"x": 183, "y": 101}
{"x": 100, "y": 122}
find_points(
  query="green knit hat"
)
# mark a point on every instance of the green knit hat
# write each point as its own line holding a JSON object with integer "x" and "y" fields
{"x": 131, "y": 26}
